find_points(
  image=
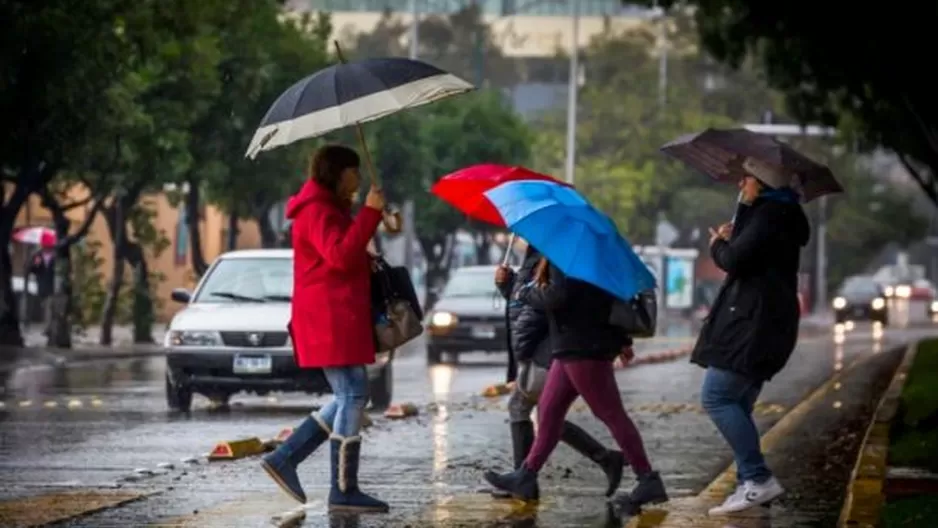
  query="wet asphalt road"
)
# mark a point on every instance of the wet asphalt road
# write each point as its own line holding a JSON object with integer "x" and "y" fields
{"x": 90, "y": 426}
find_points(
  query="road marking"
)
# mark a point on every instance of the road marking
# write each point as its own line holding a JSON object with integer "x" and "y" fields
{"x": 50, "y": 508}
{"x": 692, "y": 511}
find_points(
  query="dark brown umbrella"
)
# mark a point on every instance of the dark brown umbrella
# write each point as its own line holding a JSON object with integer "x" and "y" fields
{"x": 728, "y": 155}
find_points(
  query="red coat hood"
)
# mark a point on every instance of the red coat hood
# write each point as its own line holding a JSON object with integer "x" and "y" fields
{"x": 309, "y": 193}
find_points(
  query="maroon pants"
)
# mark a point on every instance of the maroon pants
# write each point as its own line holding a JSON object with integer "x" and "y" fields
{"x": 595, "y": 381}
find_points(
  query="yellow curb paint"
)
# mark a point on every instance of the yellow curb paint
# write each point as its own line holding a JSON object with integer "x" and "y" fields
{"x": 865, "y": 499}
{"x": 681, "y": 514}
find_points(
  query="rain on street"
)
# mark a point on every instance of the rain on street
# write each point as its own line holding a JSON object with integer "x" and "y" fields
{"x": 104, "y": 426}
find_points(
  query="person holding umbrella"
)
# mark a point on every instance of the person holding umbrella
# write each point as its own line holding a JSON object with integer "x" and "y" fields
{"x": 587, "y": 266}
{"x": 753, "y": 324}
{"x": 530, "y": 351}
{"x": 331, "y": 324}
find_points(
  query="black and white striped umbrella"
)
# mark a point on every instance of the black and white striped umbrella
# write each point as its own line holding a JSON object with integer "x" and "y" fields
{"x": 348, "y": 94}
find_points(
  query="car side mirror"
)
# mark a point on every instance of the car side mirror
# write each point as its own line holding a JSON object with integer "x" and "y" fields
{"x": 180, "y": 295}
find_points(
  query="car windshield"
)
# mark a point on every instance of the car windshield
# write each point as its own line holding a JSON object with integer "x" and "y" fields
{"x": 860, "y": 288}
{"x": 236, "y": 280}
{"x": 471, "y": 283}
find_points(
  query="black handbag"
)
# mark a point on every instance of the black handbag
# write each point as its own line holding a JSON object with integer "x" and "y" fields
{"x": 638, "y": 317}
{"x": 398, "y": 317}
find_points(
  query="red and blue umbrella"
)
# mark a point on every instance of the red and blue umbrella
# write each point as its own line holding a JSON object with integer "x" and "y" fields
{"x": 576, "y": 237}
{"x": 465, "y": 189}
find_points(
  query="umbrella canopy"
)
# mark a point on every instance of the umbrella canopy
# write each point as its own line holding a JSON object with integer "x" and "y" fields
{"x": 578, "y": 239}
{"x": 728, "y": 155}
{"x": 465, "y": 188}
{"x": 36, "y": 236}
{"x": 347, "y": 94}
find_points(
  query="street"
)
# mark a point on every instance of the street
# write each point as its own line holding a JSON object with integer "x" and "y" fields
{"x": 102, "y": 429}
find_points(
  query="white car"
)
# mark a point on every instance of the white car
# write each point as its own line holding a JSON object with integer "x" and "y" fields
{"x": 232, "y": 335}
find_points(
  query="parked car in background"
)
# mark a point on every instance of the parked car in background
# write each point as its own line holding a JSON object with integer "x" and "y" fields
{"x": 860, "y": 298}
{"x": 232, "y": 335}
{"x": 469, "y": 315}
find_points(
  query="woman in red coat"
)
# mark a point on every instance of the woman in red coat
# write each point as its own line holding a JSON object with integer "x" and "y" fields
{"x": 331, "y": 324}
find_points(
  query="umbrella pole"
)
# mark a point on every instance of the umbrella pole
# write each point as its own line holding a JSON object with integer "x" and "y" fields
{"x": 392, "y": 219}
{"x": 511, "y": 244}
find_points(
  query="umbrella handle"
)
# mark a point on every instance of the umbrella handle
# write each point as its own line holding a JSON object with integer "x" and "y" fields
{"x": 392, "y": 219}
{"x": 511, "y": 243}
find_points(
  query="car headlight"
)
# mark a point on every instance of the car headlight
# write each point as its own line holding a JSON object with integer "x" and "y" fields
{"x": 878, "y": 303}
{"x": 442, "y": 319}
{"x": 934, "y": 306}
{"x": 889, "y": 291}
{"x": 839, "y": 302}
{"x": 195, "y": 338}
{"x": 903, "y": 291}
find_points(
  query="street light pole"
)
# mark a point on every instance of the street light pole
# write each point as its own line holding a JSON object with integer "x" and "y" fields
{"x": 414, "y": 29}
{"x": 572, "y": 89}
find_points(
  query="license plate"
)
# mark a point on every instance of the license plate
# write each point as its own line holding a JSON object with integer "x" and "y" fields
{"x": 483, "y": 332}
{"x": 252, "y": 365}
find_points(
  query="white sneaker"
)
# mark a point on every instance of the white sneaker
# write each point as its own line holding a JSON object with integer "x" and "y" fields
{"x": 749, "y": 495}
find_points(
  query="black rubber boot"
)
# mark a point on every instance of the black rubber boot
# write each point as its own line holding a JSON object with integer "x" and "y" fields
{"x": 649, "y": 490}
{"x": 344, "y": 494}
{"x": 610, "y": 461}
{"x": 522, "y": 438}
{"x": 281, "y": 464}
{"x": 520, "y": 483}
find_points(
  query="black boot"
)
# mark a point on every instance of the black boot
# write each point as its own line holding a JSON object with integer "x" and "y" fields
{"x": 522, "y": 438}
{"x": 281, "y": 464}
{"x": 344, "y": 494}
{"x": 521, "y": 483}
{"x": 649, "y": 490}
{"x": 610, "y": 461}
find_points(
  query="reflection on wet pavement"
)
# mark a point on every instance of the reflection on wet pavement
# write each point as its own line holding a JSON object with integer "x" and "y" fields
{"x": 93, "y": 424}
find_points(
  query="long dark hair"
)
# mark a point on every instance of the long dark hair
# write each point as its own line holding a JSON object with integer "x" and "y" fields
{"x": 327, "y": 164}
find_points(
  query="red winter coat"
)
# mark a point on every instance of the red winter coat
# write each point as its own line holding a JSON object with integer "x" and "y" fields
{"x": 331, "y": 322}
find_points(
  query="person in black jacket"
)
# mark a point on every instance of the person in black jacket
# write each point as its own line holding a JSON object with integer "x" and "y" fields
{"x": 752, "y": 327}
{"x": 529, "y": 348}
{"x": 583, "y": 346}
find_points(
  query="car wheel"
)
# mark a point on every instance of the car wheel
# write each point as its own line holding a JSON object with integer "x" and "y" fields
{"x": 178, "y": 397}
{"x": 434, "y": 356}
{"x": 380, "y": 389}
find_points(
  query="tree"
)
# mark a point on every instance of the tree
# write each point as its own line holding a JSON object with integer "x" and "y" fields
{"x": 272, "y": 56}
{"x": 413, "y": 149}
{"x": 622, "y": 124}
{"x": 837, "y": 72}
{"x": 61, "y": 57}
{"x": 460, "y": 42}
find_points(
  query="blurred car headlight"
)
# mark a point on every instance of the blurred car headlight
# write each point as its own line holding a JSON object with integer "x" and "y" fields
{"x": 934, "y": 306}
{"x": 839, "y": 302}
{"x": 878, "y": 303}
{"x": 442, "y": 319}
{"x": 194, "y": 338}
{"x": 904, "y": 291}
{"x": 889, "y": 291}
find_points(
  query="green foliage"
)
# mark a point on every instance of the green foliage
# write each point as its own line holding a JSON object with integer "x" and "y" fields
{"x": 914, "y": 436}
{"x": 621, "y": 126}
{"x": 88, "y": 283}
{"x": 837, "y": 71}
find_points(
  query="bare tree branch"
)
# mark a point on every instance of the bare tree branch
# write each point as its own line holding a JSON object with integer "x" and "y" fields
{"x": 926, "y": 183}
{"x": 79, "y": 203}
{"x": 49, "y": 202}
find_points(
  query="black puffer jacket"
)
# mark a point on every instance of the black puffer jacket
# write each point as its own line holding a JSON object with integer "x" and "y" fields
{"x": 527, "y": 326}
{"x": 577, "y": 316}
{"x": 753, "y": 325}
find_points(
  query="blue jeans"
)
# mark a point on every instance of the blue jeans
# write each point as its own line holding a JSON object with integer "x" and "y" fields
{"x": 729, "y": 398}
{"x": 350, "y": 387}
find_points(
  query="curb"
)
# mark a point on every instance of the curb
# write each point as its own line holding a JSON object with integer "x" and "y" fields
{"x": 865, "y": 499}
